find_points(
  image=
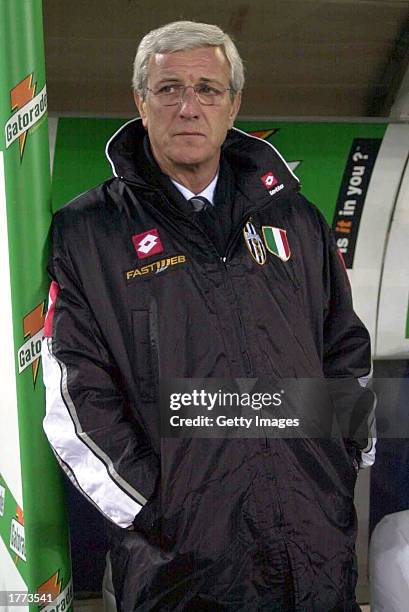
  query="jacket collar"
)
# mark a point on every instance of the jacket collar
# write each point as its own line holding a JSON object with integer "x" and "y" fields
{"x": 261, "y": 173}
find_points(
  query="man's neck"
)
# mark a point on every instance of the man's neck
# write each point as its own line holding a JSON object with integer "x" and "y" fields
{"x": 195, "y": 184}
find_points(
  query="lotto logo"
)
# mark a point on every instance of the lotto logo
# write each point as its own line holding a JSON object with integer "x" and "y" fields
{"x": 269, "y": 180}
{"x": 147, "y": 244}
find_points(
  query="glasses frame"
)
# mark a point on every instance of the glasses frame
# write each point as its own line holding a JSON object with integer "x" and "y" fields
{"x": 183, "y": 91}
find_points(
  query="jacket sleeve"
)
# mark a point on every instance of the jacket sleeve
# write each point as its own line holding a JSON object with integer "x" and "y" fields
{"x": 347, "y": 357}
{"x": 105, "y": 454}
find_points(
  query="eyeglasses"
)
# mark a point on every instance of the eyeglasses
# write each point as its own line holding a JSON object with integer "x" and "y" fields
{"x": 208, "y": 95}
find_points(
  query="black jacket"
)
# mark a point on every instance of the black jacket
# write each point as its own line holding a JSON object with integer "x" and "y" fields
{"x": 221, "y": 524}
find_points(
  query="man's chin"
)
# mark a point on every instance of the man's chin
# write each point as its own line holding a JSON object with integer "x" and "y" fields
{"x": 190, "y": 160}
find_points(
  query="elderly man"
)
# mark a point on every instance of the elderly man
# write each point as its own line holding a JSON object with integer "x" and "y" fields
{"x": 201, "y": 259}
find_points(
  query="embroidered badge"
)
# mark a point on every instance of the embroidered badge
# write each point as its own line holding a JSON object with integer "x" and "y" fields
{"x": 254, "y": 243}
{"x": 276, "y": 242}
{"x": 147, "y": 244}
{"x": 269, "y": 180}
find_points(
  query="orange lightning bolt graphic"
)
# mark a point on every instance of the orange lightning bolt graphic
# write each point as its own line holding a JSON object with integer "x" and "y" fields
{"x": 33, "y": 323}
{"x": 19, "y": 515}
{"x": 263, "y": 134}
{"x": 52, "y": 586}
{"x": 20, "y": 95}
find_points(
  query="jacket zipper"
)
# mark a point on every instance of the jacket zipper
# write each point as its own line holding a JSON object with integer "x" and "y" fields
{"x": 240, "y": 327}
{"x": 263, "y": 441}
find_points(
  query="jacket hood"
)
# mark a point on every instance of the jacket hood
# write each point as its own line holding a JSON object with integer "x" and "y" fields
{"x": 258, "y": 166}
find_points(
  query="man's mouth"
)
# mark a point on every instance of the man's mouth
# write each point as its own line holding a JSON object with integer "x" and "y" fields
{"x": 189, "y": 134}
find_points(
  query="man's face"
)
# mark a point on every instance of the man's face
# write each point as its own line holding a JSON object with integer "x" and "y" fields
{"x": 188, "y": 134}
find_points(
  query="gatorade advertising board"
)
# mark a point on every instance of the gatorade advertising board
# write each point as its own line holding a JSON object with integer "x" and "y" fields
{"x": 34, "y": 550}
{"x": 351, "y": 171}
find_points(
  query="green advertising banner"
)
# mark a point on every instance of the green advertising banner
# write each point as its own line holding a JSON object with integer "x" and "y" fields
{"x": 34, "y": 540}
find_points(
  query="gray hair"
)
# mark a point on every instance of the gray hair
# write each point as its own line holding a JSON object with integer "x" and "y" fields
{"x": 180, "y": 36}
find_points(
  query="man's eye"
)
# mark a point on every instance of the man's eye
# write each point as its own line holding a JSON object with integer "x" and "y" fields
{"x": 207, "y": 89}
{"x": 167, "y": 89}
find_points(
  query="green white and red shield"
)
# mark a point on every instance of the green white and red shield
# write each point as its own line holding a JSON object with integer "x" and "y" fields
{"x": 276, "y": 241}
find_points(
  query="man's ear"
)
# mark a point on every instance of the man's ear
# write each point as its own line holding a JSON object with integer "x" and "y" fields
{"x": 141, "y": 106}
{"x": 235, "y": 108}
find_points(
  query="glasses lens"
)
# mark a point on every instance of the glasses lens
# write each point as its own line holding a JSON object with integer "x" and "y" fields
{"x": 169, "y": 95}
{"x": 208, "y": 95}
{"x": 170, "y": 98}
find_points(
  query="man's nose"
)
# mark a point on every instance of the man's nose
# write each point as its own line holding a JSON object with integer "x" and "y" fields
{"x": 189, "y": 104}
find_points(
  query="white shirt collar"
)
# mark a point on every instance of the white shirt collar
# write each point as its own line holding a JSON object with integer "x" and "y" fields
{"x": 207, "y": 193}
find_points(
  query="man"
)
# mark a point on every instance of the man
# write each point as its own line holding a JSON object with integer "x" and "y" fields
{"x": 243, "y": 281}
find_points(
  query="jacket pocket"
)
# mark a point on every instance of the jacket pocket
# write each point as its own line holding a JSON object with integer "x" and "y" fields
{"x": 146, "y": 352}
